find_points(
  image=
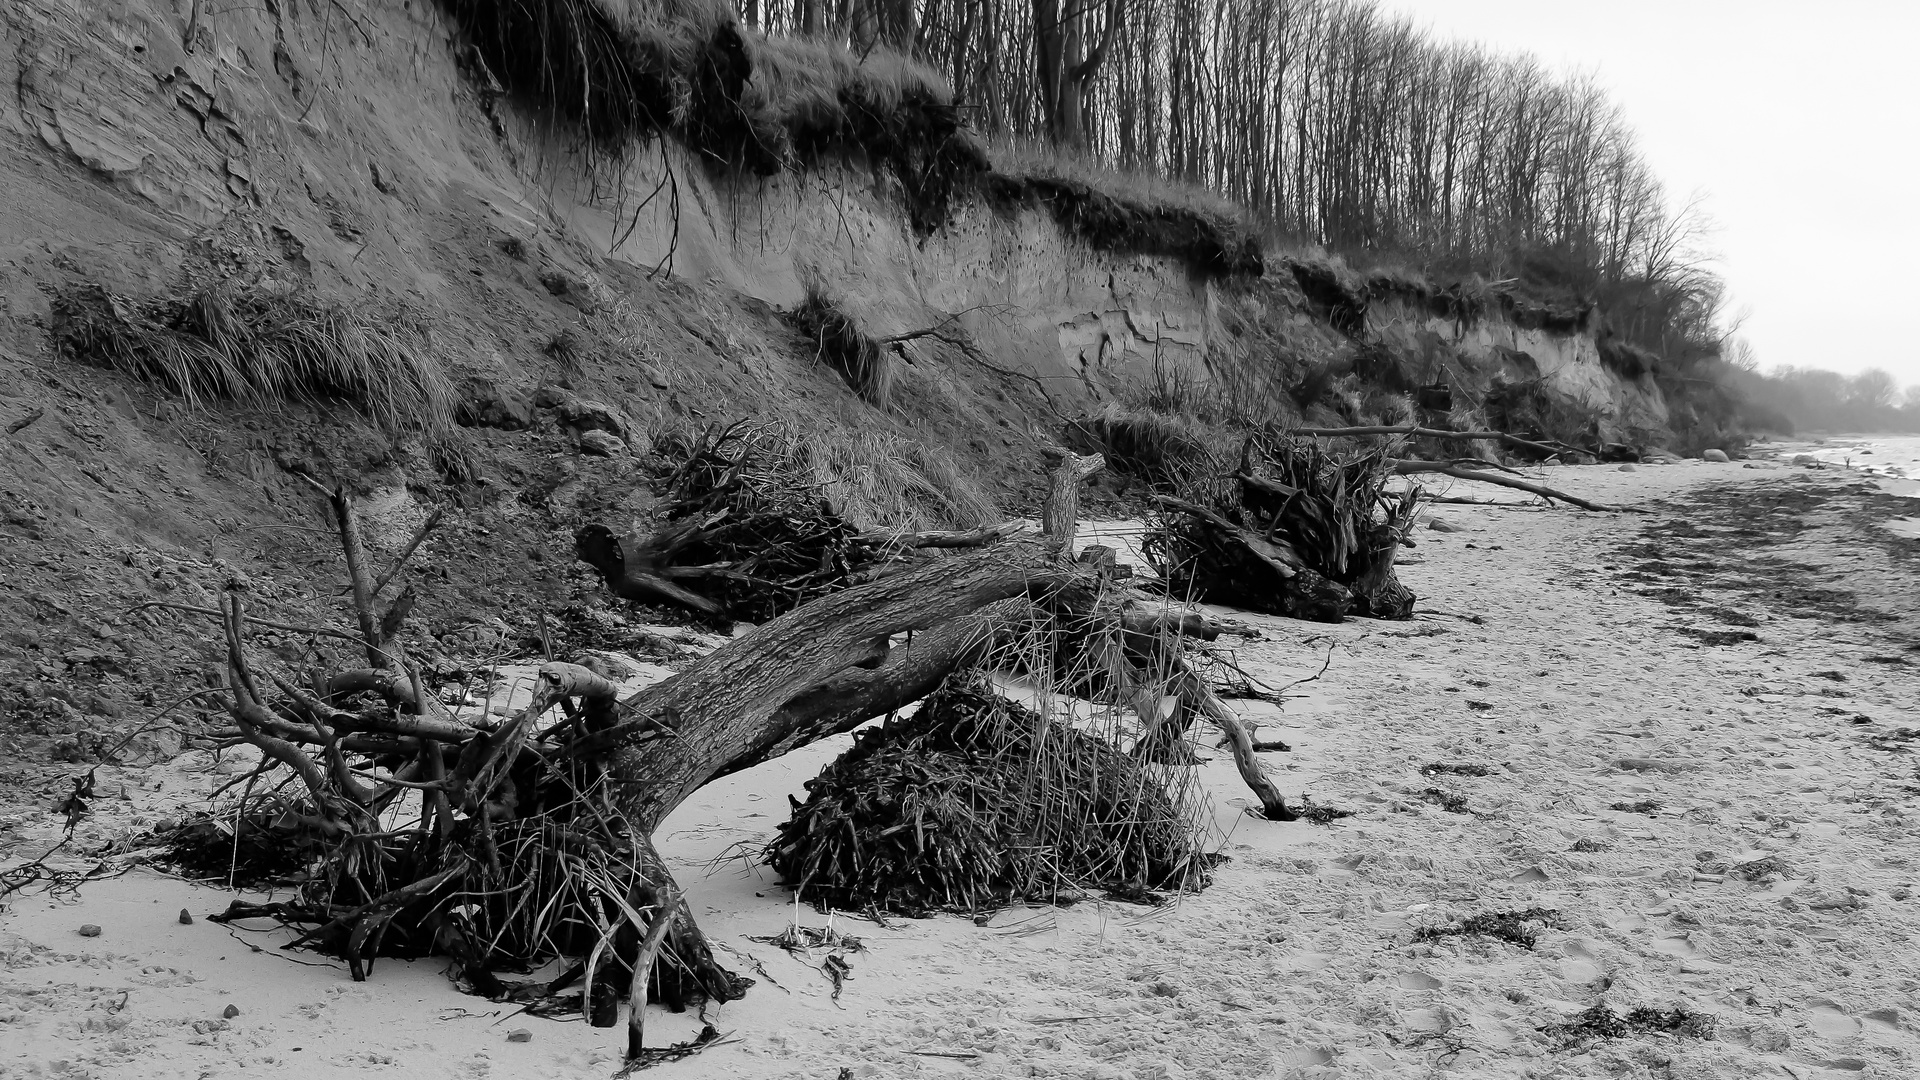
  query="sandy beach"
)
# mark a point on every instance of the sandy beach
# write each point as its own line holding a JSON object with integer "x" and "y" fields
{"x": 1684, "y": 736}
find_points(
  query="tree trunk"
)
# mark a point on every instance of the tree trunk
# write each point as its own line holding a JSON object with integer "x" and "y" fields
{"x": 768, "y": 688}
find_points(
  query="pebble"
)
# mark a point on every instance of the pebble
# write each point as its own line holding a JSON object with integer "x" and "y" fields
{"x": 186, "y": 917}
{"x": 1629, "y": 467}
{"x": 519, "y": 1035}
{"x": 1715, "y": 455}
{"x": 1442, "y": 525}
{"x": 230, "y": 1011}
{"x": 603, "y": 445}
{"x": 90, "y": 930}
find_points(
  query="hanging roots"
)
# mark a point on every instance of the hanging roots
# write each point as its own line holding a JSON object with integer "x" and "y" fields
{"x": 975, "y": 802}
{"x": 839, "y": 342}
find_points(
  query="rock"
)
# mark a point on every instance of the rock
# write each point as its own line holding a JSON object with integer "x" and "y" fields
{"x": 1443, "y": 525}
{"x": 1752, "y": 465}
{"x": 519, "y": 1035}
{"x": 1629, "y": 467}
{"x": 90, "y": 930}
{"x": 186, "y": 917}
{"x": 580, "y": 414}
{"x": 484, "y": 406}
{"x": 601, "y": 444}
{"x": 1716, "y": 455}
{"x": 230, "y": 1011}
{"x": 1807, "y": 460}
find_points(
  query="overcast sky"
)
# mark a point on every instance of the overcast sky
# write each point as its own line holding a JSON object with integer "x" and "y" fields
{"x": 1801, "y": 124}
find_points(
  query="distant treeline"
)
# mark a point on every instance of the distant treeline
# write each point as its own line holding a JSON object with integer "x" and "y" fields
{"x": 1334, "y": 124}
{"x": 1792, "y": 399}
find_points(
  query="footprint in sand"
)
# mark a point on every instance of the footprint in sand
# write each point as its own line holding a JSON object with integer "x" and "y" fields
{"x": 1677, "y": 945}
{"x": 1830, "y": 1023}
{"x": 1428, "y": 1021}
{"x": 1886, "y": 1021}
{"x": 1417, "y": 980}
{"x": 1305, "y": 1057}
{"x": 1579, "y": 971}
{"x": 1308, "y": 961}
{"x": 1581, "y": 948}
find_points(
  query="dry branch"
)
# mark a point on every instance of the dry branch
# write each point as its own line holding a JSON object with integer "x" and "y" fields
{"x": 1486, "y": 476}
{"x": 1415, "y": 430}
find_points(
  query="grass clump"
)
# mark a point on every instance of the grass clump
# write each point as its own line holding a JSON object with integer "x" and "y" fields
{"x": 261, "y": 348}
{"x": 1161, "y": 449}
{"x": 974, "y": 802}
{"x": 876, "y": 480}
{"x": 1519, "y": 928}
{"x": 742, "y": 101}
{"x": 1600, "y": 1021}
{"x": 839, "y": 343}
{"x": 1131, "y": 213}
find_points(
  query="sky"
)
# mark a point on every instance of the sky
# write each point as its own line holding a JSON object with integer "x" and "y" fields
{"x": 1799, "y": 122}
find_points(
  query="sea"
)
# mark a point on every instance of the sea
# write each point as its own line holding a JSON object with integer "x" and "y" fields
{"x": 1892, "y": 460}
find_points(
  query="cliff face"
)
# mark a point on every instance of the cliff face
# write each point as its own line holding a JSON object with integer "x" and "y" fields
{"x": 166, "y": 164}
{"x": 355, "y": 149}
{"x": 1482, "y": 356}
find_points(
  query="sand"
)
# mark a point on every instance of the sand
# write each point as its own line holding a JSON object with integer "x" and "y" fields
{"x": 1543, "y": 652}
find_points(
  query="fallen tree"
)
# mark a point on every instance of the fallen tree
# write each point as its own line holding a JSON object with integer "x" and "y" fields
{"x": 529, "y": 836}
{"x": 1298, "y": 530}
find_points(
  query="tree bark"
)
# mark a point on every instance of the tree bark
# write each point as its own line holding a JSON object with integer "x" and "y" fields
{"x": 762, "y": 689}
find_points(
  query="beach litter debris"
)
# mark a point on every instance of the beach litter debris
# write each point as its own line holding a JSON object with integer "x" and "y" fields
{"x": 1518, "y": 928}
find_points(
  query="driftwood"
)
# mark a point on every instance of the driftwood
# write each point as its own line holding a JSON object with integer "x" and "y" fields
{"x": 580, "y": 778}
{"x": 1415, "y": 430}
{"x": 1489, "y": 476}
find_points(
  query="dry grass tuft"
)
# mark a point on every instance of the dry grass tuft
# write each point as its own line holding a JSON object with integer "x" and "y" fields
{"x": 883, "y": 481}
{"x": 876, "y": 480}
{"x": 1163, "y": 449}
{"x": 262, "y": 348}
{"x": 839, "y": 342}
{"x": 977, "y": 801}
